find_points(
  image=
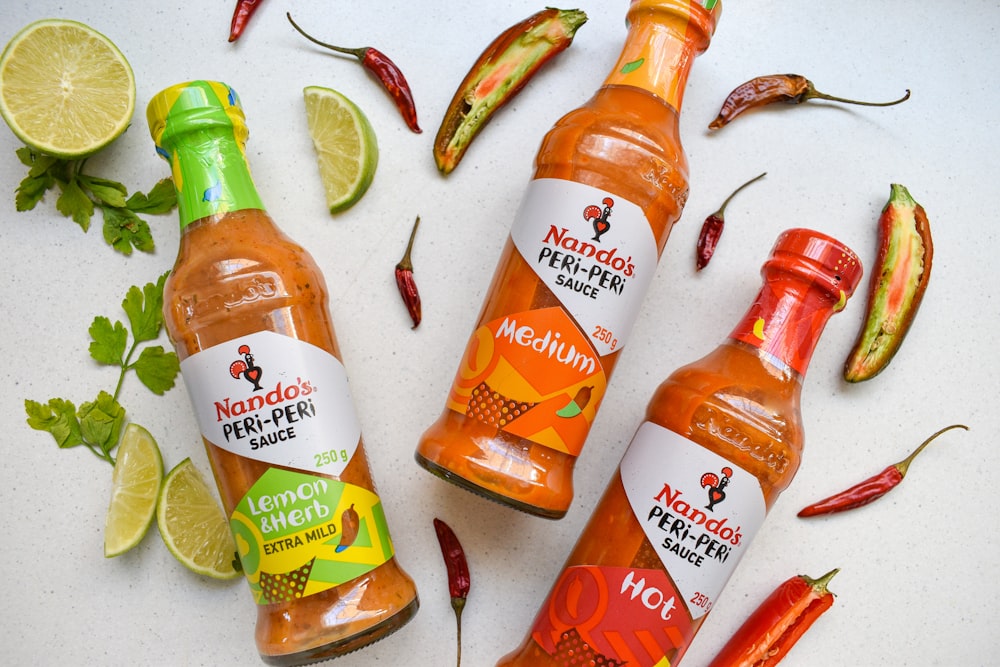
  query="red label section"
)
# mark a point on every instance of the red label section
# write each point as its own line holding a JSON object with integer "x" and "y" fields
{"x": 633, "y": 616}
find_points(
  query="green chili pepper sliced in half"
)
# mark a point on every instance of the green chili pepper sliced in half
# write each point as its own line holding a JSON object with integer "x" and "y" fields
{"x": 897, "y": 286}
{"x": 501, "y": 71}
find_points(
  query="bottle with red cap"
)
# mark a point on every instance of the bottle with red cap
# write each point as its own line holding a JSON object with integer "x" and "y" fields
{"x": 721, "y": 439}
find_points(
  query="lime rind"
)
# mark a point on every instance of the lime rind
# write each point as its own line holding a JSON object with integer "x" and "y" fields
{"x": 61, "y": 88}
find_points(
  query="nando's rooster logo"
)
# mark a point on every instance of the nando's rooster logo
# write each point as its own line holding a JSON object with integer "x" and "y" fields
{"x": 716, "y": 486}
{"x": 598, "y": 217}
{"x": 246, "y": 368}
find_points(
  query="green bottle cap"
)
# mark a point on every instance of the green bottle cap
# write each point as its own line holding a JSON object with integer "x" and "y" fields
{"x": 195, "y": 105}
{"x": 199, "y": 128}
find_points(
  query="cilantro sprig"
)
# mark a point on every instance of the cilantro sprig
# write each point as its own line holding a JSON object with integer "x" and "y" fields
{"x": 81, "y": 193}
{"x": 97, "y": 424}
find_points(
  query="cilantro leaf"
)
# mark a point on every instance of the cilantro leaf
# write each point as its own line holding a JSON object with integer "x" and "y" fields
{"x": 98, "y": 424}
{"x": 101, "y": 422}
{"x": 31, "y": 190}
{"x": 145, "y": 309}
{"x": 161, "y": 199}
{"x": 108, "y": 341}
{"x": 157, "y": 369}
{"x": 107, "y": 192}
{"x": 74, "y": 203}
{"x": 81, "y": 193}
{"x": 124, "y": 230}
{"x": 58, "y": 417}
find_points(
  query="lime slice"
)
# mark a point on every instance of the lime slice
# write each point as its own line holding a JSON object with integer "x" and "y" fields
{"x": 345, "y": 146}
{"x": 193, "y": 525}
{"x": 65, "y": 89}
{"x": 135, "y": 486}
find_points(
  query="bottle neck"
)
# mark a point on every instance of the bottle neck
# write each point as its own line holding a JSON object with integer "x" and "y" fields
{"x": 786, "y": 319}
{"x": 664, "y": 36}
{"x": 211, "y": 174}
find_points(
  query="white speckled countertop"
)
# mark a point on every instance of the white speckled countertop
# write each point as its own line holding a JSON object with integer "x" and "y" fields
{"x": 918, "y": 581}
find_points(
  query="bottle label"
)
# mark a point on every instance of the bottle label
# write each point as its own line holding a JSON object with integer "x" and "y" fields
{"x": 595, "y": 251}
{"x": 537, "y": 374}
{"x": 613, "y": 616}
{"x": 534, "y": 375}
{"x": 699, "y": 513}
{"x": 698, "y": 510}
{"x": 275, "y": 399}
{"x": 299, "y": 534}
{"x": 285, "y": 402}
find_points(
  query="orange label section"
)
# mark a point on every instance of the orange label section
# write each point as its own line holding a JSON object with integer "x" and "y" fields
{"x": 533, "y": 375}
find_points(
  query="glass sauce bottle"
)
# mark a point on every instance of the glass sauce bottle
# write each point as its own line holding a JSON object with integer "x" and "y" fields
{"x": 610, "y": 181}
{"x": 246, "y": 309}
{"x": 722, "y": 437}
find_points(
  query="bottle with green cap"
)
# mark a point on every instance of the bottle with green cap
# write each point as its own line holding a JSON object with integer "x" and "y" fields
{"x": 246, "y": 309}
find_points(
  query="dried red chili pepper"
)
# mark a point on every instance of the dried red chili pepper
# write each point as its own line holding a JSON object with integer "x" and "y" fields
{"x": 711, "y": 229}
{"x": 872, "y": 488}
{"x": 897, "y": 285}
{"x": 457, "y": 566}
{"x": 241, "y": 16}
{"x": 386, "y": 71}
{"x": 788, "y": 88}
{"x": 404, "y": 280}
{"x": 500, "y": 72}
{"x": 780, "y": 621}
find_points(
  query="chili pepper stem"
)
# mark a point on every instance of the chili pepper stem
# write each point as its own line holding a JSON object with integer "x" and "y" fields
{"x": 358, "y": 53}
{"x": 813, "y": 94}
{"x": 458, "y": 604}
{"x": 820, "y": 584}
{"x": 904, "y": 465}
{"x": 406, "y": 264}
{"x": 722, "y": 209}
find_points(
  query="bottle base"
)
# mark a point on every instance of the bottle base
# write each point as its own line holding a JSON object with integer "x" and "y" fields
{"x": 348, "y": 644}
{"x": 483, "y": 492}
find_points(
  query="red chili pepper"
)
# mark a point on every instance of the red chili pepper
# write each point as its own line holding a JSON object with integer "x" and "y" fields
{"x": 459, "y": 581}
{"x": 788, "y": 88}
{"x": 872, "y": 488}
{"x": 500, "y": 72}
{"x": 386, "y": 71}
{"x": 241, "y": 16}
{"x": 404, "y": 280}
{"x": 896, "y": 287}
{"x": 780, "y": 621}
{"x": 711, "y": 229}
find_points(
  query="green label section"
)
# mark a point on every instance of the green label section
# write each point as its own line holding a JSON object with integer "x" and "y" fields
{"x": 299, "y": 534}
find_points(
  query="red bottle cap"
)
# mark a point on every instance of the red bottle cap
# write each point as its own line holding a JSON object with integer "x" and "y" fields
{"x": 808, "y": 277}
{"x": 831, "y": 263}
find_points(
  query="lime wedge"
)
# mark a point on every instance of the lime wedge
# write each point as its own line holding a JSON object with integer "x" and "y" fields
{"x": 193, "y": 525}
{"x": 65, "y": 89}
{"x": 345, "y": 146}
{"x": 135, "y": 486}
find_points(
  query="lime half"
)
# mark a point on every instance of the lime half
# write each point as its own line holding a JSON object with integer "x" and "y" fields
{"x": 345, "y": 146}
{"x": 135, "y": 486}
{"x": 65, "y": 89}
{"x": 193, "y": 525}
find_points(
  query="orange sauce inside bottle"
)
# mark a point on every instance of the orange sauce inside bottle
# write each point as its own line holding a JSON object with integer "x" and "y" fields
{"x": 696, "y": 401}
{"x": 625, "y": 142}
{"x": 213, "y": 295}
{"x": 742, "y": 402}
{"x": 594, "y": 145}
